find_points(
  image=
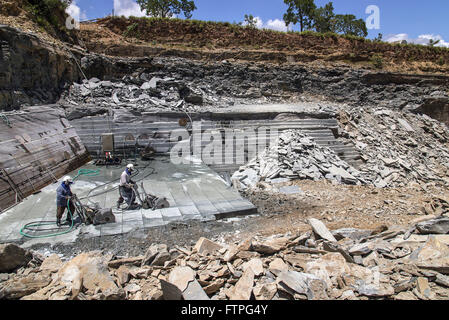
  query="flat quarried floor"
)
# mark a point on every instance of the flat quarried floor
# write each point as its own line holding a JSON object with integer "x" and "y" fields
{"x": 194, "y": 191}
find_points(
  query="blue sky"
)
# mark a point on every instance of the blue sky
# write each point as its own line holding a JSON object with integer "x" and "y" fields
{"x": 413, "y": 20}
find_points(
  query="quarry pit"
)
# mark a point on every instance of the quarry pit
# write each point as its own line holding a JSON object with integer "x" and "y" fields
{"x": 245, "y": 152}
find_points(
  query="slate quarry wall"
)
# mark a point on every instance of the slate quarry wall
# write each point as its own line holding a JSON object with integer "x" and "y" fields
{"x": 34, "y": 72}
{"x": 251, "y": 133}
{"x": 37, "y": 146}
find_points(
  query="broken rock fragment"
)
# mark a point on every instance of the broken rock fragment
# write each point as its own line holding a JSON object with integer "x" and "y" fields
{"x": 243, "y": 288}
{"x": 205, "y": 246}
{"x": 433, "y": 255}
{"x": 184, "y": 278}
{"x": 320, "y": 229}
{"x": 256, "y": 265}
{"x": 434, "y": 226}
{"x": 302, "y": 283}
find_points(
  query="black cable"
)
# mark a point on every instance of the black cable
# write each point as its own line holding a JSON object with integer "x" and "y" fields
{"x": 115, "y": 188}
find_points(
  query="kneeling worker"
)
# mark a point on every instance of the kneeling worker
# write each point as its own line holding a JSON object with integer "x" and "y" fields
{"x": 64, "y": 194}
{"x": 126, "y": 188}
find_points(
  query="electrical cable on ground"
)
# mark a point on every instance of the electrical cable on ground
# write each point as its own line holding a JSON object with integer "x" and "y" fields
{"x": 34, "y": 226}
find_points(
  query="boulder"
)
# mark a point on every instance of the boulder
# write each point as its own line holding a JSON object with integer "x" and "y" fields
{"x": 422, "y": 285}
{"x": 351, "y": 233}
{"x": 442, "y": 280}
{"x": 123, "y": 275}
{"x": 328, "y": 267}
{"x": 231, "y": 254}
{"x": 151, "y": 290}
{"x": 156, "y": 255}
{"x": 184, "y": 279}
{"x": 269, "y": 247}
{"x": 170, "y": 291}
{"x": 181, "y": 277}
{"x": 13, "y": 257}
{"x": 374, "y": 290}
{"x": 137, "y": 261}
{"x": 194, "y": 291}
{"x": 214, "y": 286}
{"x": 51, "y": 264}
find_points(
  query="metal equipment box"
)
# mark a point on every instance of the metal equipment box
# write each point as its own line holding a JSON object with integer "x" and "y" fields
{"x": 107, "y": 142}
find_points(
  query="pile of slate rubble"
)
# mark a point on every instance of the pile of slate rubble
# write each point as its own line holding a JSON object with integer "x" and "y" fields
{"x": 345, "y": 264}
{"x": 296, "y": 156}
{"x": 397, "y": 148}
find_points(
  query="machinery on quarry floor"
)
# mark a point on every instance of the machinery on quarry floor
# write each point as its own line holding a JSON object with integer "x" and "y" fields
{"x": 150, "y": 201}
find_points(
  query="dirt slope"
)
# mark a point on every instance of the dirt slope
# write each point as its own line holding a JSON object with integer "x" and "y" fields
{"x": 140, "y": 36}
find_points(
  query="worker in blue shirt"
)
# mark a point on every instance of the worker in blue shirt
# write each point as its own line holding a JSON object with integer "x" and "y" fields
{"x": 64, "y": 194}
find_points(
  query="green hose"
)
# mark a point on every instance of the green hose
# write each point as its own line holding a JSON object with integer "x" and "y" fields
{"x": 81, "y": 172}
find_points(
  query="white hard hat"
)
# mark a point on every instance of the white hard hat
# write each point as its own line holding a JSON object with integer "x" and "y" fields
{"x": 130, "y": 166}
{"x": 67, "y": 179}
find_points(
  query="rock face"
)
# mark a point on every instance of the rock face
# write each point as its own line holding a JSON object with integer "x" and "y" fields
{"x": 31, "y": 71}
{"x": 224, "y": 83}
{"x": 35, "y": 72}
{"x": 13, "y": 257}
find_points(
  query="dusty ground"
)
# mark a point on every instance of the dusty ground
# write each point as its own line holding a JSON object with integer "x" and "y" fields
{"x": 342, "y": 206}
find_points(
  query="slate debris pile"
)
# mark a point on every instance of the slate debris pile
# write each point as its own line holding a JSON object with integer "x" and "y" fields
{"x": 295, "y": 155}
{"x": 319, "y": 264}
{"x": 169, "y": 91}
{"x": 138, "y": 93}
{"x": 398, "y": 147}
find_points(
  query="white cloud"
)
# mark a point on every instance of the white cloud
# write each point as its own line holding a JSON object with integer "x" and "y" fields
{"x": 422, "y": 39}
{"x": 75, "y": 12}
{"x": 276, "y": 24}
{"x": 127, "y": 8}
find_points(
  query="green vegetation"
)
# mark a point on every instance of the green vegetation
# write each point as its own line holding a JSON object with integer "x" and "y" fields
{"x": 131, "y": 31}
{"x": 250, "y": 21}
{"x": 167, "y": 8}
{"x": 377, "y": 61}
{"x": 323, "y": 19}
{"x": 433, "y": 43}
{"x": 50, "y": 15}
{"x": 300, "y": 11}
